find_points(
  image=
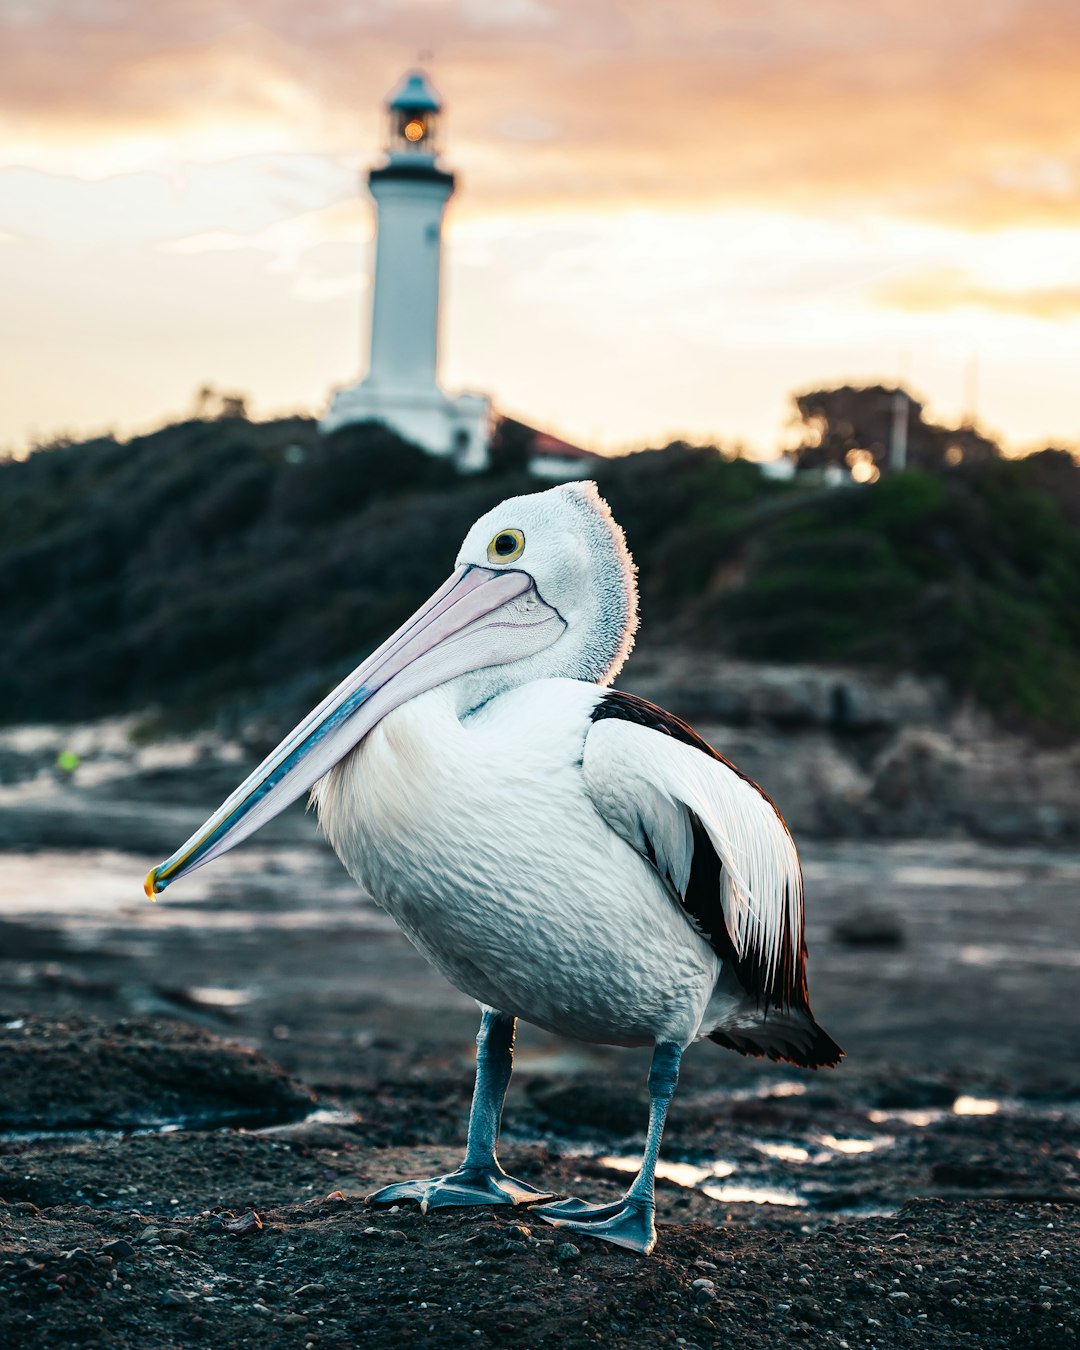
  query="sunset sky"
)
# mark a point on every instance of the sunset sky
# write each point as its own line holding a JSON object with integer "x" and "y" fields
{"x": 669, "y": 217}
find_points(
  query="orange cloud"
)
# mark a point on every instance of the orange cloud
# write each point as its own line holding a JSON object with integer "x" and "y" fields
{"x": 964, "y": 113}
{"x": 942, "y": 288}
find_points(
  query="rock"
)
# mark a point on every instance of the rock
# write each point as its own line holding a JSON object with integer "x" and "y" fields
{"x": 566, "y": 1251}
{"x": 175, "y": 1298}
{"x": 702, "y": 686}
{"x": 79, "y": 1071}
{"x": 244, "y": 1224}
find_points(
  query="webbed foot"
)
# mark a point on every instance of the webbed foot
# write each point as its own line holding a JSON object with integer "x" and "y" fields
{"x": 466, "y": 1186}
{"x": 626, "y": 1223}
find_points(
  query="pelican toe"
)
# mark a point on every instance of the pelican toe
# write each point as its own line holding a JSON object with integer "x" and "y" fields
{"x": 468, "y": 1186}
{"x": 627, "y": 1223}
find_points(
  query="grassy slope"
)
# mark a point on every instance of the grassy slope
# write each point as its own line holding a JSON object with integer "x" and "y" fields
{"x": 198, "y": 566}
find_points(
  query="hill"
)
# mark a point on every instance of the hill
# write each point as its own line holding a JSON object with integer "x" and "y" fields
{"x": 210, "y": 563}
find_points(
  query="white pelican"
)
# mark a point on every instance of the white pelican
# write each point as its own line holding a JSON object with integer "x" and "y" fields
{"x": 560, "y": 851}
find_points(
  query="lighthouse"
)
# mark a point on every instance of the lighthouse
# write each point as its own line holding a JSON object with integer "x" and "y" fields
{"x": 401, "y": 389}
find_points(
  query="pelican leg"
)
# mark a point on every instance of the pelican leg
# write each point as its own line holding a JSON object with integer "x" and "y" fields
{"x": 629, "y": 1222}
{"x": 479, "y": 1180}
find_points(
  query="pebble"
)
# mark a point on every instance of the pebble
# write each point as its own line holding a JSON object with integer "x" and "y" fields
{"x": 309, "y": 1289}
{"x": 566, "y": 1251}
{"x": 174, "y": 1298}
{"x": 517, "y": 1232}
{"x": 394, "y": 1236}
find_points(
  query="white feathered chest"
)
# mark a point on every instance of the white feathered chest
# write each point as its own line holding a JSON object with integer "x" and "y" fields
{"x": 480, "y": 839}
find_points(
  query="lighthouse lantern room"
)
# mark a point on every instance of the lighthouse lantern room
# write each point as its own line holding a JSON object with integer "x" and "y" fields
{"x": 401, "y": 389}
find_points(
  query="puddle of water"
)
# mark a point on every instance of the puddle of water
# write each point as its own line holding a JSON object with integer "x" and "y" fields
{"x": 920, "y": 1117}
{"x": 784, "y": 1152}
{"x": 976, "y": 1106}
{"x": 754, "y": 1195}
{"x": 686, "y": 1174}
{"x": 855, "y": 1146}
{"x": 976, "y": 955}
{"x": 786, "y": 1087}
{"x": 324, "y": 1115}
{"x": 682, "y": 1174}
{"x": 93, "y": 890}
{"x": 215, "y": 996}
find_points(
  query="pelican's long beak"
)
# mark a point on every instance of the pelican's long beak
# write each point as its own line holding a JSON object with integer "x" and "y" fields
{"x": 477, "y": 618}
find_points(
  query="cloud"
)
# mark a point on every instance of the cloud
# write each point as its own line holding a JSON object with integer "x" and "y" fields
{"x": 963, "y": 113}
{"x": 942, "y": 288}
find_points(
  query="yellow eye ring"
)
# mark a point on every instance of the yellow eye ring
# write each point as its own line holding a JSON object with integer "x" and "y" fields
{"x": 506, "y": 547}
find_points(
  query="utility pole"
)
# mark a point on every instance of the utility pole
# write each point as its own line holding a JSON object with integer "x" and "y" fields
{"x": 898, "y": 437}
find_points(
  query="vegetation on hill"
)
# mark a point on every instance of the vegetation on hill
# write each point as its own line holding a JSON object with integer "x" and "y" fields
{"x": 200, "y": 566}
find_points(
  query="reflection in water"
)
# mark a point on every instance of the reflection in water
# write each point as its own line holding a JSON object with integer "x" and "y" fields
{"x": 86, "y": 891}
{"x": 787, "y": 1089}
{"x": 976, "y": 1106}
{"x": 214, "y": 996}
{"x": 853, "y": 1146}
{"x": 784, "y": 1152}
{"x": 920, "y": 1117}
{"x": 682, "y": 1174}
{"x": 686, "y": 1174}
{"x": 753, "y": 1195}
{"x": 982, "y": 955}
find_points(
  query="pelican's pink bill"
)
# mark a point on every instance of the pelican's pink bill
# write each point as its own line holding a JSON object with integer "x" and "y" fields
{"x": 477, "y": 618}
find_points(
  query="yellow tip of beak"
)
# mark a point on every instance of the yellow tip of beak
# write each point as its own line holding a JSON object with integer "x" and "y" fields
{"x": 150, "y": 884}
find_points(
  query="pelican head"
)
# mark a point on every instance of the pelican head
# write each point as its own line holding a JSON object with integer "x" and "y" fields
{"x": 543, "y": 586}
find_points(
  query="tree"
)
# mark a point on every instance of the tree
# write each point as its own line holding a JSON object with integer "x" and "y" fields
{"x": 850, "y": 426}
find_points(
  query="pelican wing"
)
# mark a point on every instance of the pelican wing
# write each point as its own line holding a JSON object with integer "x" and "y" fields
{"x": 717, "y": 841}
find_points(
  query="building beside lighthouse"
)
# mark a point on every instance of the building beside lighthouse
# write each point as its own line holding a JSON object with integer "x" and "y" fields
{"x": 401, "y": 388}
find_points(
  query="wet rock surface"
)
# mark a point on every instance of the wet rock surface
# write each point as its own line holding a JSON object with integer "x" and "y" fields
{"x": 80, "y": 1072}
{"x": 883, "y": 1205}
{"x": 925, "y": 1193}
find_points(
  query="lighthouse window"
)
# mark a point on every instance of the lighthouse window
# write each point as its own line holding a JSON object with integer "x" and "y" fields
{"x": 414, "y": 130}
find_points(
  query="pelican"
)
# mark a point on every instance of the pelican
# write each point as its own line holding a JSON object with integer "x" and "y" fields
{"x": 562, "y": 852}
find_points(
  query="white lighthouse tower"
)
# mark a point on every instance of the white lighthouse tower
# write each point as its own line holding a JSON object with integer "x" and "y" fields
{"x": 401, "y": 388}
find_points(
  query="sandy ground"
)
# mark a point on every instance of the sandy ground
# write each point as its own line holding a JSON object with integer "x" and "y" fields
{"x": 164, "y": 1184}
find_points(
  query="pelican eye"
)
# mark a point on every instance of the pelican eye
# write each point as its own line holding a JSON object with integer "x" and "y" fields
{"x": 506, "y": 546}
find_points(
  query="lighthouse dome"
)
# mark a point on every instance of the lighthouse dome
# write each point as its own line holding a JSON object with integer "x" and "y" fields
{"x": 414, "y": 94}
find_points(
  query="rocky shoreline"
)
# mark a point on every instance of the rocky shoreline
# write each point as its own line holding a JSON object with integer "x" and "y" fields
{"x": 198, "y": 1094}
{"x": 960, "y": 1231}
